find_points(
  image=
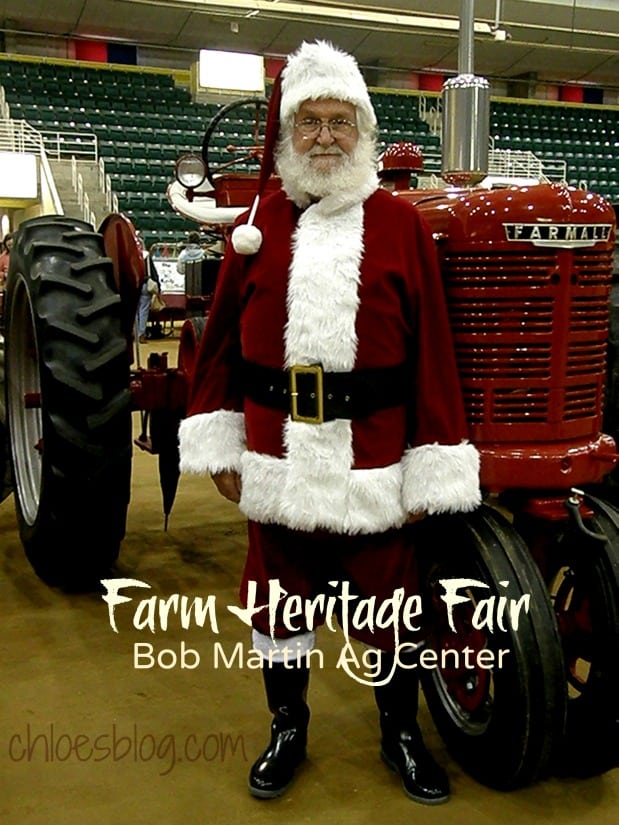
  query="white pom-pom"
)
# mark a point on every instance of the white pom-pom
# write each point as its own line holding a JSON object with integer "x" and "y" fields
{"x": 246, "y": 239}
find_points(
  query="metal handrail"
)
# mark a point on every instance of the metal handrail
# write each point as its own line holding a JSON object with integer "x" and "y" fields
{"x": 47, "y": 173}
{"x": 64, "y": 145}
{"x": 508, "y": 163}
{"x": 19, "y": 136}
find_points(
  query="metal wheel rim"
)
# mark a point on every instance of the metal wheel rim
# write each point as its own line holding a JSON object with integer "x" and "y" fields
{"x": 26, "y": 425}
{"x": 574, "y": 617}
{"x": 477, "y": 716}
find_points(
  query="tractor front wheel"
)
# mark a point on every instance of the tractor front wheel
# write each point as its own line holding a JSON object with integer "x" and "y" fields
{"x": 497, "y": 695}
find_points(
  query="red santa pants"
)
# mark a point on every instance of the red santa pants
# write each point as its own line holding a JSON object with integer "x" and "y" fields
{"x": 305, "y": 563}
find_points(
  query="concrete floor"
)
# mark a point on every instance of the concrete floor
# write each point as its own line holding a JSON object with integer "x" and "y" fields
{"x": 173, "y": 746}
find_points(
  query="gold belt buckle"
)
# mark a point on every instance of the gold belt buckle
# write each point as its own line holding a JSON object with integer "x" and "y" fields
{"x": 316, "y": 395}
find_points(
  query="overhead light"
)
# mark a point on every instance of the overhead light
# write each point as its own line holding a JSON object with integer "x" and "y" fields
{"x": 316, "y": 11}
{"x": 253, "y": 13}
{"x": 231, "y": 72}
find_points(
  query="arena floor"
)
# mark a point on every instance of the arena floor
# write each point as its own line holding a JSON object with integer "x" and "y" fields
{"x": 88, "y": 737}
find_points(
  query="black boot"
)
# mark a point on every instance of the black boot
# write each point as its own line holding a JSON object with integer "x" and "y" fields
{"x": 274, "y": 770}
{"x": 402, "y": 746}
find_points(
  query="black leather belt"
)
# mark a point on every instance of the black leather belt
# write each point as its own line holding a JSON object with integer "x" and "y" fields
{"x": 312, "y": 396}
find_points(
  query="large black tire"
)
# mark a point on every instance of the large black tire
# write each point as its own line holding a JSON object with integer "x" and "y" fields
{"x": 502, "y": 725}
{"x": 68, "y": 401}
{"x": 583, "y": 580}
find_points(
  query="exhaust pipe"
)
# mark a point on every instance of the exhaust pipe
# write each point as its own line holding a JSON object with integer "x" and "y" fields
{"x": 466, "y": 113}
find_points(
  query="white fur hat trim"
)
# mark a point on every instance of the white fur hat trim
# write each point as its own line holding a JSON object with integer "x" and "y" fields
{"x": 320, "y": 71}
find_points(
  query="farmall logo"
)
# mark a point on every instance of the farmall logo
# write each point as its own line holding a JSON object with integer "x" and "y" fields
{"x": 567, "y": 235}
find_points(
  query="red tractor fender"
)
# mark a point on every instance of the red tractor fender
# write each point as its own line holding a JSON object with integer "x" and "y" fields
{"x": 123, "y": 246}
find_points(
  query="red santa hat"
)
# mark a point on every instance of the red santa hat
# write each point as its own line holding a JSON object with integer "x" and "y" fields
{"x": 315, "y": 71}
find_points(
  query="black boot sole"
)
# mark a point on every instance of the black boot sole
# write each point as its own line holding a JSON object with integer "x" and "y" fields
{"x": 260, "y": 793}
{"x": 424, "y": 800}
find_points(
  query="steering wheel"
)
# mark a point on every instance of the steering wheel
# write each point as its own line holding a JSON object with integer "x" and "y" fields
{"x": 239, "y": 153}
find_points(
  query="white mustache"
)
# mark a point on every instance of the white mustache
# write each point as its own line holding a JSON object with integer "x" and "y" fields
{"x": 325, "y": 150}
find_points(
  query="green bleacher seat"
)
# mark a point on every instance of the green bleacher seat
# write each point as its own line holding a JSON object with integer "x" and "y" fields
{"x": 164, "y": 137}
{"x": 155, "y": 201}
{"x": 142, "y": 166}
{"x": 159, "y": 222}
{"x": 18, "y": 83}
{"x": 107, "y": 150}
{"x": 139, "y": 92}
{"x": 22, "y": 97}
{"x": 136, "y": 149}
{"x": 13, "y": 71}
{"x": 124, "y": 165}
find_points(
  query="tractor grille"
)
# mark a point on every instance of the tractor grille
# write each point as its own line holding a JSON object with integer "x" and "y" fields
{"x": 488, "y": 315}
{"x": 516, "y": 404}
{"x": 494, "y": 360}
{"x": 505, "y": 269}
{"x": 579, "y": 401}
{"x": 585, "y": 358}
{"x": 530, "y": 333}
{"x": 588, "y": 314}
{"x": 593, "y": 267}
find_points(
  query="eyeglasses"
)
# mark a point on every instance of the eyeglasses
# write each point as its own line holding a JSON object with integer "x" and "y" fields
{"x": 311, "y": 127}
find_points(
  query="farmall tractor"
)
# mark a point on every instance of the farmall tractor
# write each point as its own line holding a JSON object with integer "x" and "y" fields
{"x": 527, "y": 272}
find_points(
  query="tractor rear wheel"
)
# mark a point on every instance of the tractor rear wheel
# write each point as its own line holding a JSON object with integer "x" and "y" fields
{"x": 68, "y": 401}
{"x": 583, "y": 580}
{"x": 500, "y": 722}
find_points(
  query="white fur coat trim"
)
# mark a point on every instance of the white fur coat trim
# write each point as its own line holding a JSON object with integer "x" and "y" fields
{"x": 212, "y": 442}
{"x": 275, "y": 491}
{"x": 441, "y": 478}
{"x": 323, "y": 288}
{"x": 324, "y": 494}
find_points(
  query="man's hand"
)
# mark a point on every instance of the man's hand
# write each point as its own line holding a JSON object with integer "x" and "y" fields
{"x": 228, "y": 483}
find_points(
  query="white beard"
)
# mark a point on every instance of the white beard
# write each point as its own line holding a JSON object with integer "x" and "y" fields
{"x": 303, "y": 182}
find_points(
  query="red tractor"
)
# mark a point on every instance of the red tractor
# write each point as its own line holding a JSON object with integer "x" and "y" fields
{"x": 527, "y": 272}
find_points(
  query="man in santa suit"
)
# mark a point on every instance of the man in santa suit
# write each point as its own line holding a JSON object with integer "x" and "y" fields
{"x": 326, "y": 399}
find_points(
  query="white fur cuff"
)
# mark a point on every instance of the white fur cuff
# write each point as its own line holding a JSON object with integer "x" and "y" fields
{"x": 212, "y": 442}
{"x": 283, "y": 650}
{"x": 439, "y": 478}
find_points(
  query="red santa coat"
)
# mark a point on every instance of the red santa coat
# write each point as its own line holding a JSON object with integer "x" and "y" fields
{"x": 351, "y": 282}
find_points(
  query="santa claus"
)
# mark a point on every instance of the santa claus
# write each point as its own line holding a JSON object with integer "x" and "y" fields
{"x": 326, "y": 399}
